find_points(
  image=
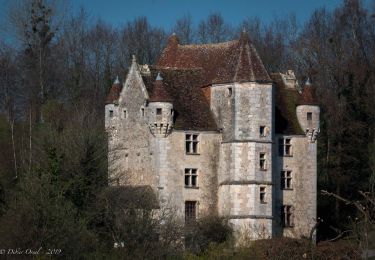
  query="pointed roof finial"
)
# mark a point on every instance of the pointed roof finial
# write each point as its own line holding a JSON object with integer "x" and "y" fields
{"x": 134, "y": 59}
{"x": 243, "y": 29}
{"x": 159, "y": 77}
{"x": 117, "y": 81}
{"x": 308, "y": 82}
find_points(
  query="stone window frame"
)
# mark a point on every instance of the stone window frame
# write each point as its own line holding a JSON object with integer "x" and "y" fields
{"x": 191, "y": 178}
{"x": 263, "y": 194}
{"x": 191, "y": 211}
{"x": 192, "y": 141}
{"x": 287, "y": 216}
{"x": 309, "y": 116}
{"x": 263, "y": 131}
{"x": 285, "y": 147}
{"x": 262, "y": 161}
{"x": 286, "y": 182}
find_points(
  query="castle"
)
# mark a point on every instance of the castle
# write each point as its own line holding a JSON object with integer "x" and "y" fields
{"x": 211, "y": 132}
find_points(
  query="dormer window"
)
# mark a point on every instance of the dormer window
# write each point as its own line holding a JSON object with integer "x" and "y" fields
{"x": 158, "y": 111}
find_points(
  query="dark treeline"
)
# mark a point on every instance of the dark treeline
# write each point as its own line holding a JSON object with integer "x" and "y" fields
{"x": 53, "y": 83}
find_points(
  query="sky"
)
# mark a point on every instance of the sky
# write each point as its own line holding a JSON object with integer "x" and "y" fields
{"x": 164, "y": 13}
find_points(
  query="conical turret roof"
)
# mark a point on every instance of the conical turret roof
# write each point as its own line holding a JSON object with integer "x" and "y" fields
{"x": 159, "y": 92}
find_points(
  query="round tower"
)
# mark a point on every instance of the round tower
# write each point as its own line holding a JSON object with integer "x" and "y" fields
{"x": 160, "y": 110}
{"x": 308, "y": 112}
{"x": 111, "y": 103}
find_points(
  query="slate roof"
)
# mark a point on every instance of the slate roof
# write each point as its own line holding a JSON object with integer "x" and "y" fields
{"x": 286, "y": 121}
{"x": 192, "y": 111}
{"x": 233, "y": 61}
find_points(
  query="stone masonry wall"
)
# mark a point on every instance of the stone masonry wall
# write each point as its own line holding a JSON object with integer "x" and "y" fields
{"x": 303, "y": 194}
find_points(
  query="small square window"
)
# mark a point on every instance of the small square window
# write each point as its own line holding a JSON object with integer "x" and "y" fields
{"x": 262, "y": 161}
{"x": 309, "y": 116}
{"x": 110, "y": 113}
{"x": 262, "y": 194}
{"x": 158, "y": 111}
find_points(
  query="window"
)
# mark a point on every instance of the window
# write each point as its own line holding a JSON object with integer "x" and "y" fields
{"x": 286, "y": 180}
{"x": 262, "y": 131}
{"x": 110, "y": 113}
{"x": 142, "y": 112}
{"x": 262, "y": 161}
{"x": 125, "y": 114}
{"x": 262, "y": 194}
{"x": 190, "y": 211}
{"x": 287, "y": 216}
{"x": 230, "y": 91}
{"x": 309, "y": 116}
{"x": 191, "y": 143}
{"x": 285, "y": 147}
{"x": 158, "y": 111}
{"x": 191, "y": 178}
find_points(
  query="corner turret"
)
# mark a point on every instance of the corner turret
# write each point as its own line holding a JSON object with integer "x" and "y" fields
{"x": 308, "y": 112}
{"x": 160, "y": 116}
{"x": 111, "y": 102}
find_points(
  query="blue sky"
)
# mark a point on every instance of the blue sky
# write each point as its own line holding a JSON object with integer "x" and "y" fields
{"x": 164, "y": 13}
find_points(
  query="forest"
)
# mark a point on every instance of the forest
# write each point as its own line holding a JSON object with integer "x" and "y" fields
{"x": 55, "y": 73}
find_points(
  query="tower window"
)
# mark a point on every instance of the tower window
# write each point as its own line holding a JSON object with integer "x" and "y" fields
{"x": 309, "y": 116}
{"x": 262, "y": 194}
{"x": 262, "y": 131}
{"x": 262, "y": 161}
{"x": 158, "y": 111}
{"x": 191, "y": 178}
{"x": 142, "y": 112}
{"x": 287, "y": 216}
{"x": 286, "y": 180}
{"x": 125, "y": 114}
{"x": 190, "y": 211}
{"x": 285, "y": 147}
{"x": 110, "y": 113}
{"x": 230, "y": 92}
{"x": 191, "y": 143}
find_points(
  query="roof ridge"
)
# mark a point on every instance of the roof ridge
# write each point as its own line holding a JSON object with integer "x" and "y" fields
{"x": 219, "y": 44}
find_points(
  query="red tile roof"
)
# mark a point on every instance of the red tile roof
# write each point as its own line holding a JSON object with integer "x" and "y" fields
{"x": 114, "y": 93}
{"x": 192, "y": 111}
{"x": 308, "y": 96}
{"x": 159, "y": 92}
{"x": 233, "y": 61}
